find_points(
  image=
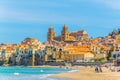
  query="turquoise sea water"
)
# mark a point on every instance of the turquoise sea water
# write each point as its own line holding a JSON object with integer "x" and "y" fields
{"x": 25, "y": 73}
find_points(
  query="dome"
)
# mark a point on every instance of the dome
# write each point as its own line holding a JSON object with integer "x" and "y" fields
{"x": 33, "y": 41}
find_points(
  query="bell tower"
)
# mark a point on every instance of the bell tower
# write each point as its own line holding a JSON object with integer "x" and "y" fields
{"x": 51, "y": 34}
{"x": 65, "y": 33}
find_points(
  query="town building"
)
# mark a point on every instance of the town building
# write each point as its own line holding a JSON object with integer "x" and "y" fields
{"x": 77, "y": 53}
{"x": 67, "y": 36}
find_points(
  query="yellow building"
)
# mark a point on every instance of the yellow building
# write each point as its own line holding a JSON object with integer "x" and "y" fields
{"x": 31, "y": 42}
{"x": 74, "y": 53}
{"x": 117, "y": 38}
{"x": 8, "y": 51}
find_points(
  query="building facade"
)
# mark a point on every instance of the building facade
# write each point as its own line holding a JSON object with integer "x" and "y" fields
{"x": 66, "y": 35}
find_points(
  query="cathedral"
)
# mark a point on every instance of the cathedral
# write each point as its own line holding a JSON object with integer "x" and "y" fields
{"x": 66, "y": 35}
{"x": 51, "y": 34}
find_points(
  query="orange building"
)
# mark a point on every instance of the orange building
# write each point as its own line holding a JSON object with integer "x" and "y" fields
{"x": 75, "y": 53}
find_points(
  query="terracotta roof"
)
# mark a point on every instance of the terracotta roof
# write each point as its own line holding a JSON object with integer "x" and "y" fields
{"x": 8, "y": 49}
{"x": 116, "y": 42}
{"x": 78, "y": 48}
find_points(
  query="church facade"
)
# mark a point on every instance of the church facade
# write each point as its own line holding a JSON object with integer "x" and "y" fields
{"x": 66, "y": 35}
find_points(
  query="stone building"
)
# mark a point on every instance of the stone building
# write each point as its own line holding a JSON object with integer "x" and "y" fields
{"x": 79, "y": 35}
{"x": 51, "y": 34}
{"x": 66, "y": 36}
{"x": 53, "y": 54}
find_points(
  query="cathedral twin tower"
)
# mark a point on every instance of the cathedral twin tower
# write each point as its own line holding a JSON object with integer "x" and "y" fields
{"x": 65, "y": 35}
{"x": 51, "y": 34}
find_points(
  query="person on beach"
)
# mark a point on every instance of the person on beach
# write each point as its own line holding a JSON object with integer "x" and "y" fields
{"x": 60, "y": 66}
{"x": 100, "y": 69}
{"x": 96, "y": 69}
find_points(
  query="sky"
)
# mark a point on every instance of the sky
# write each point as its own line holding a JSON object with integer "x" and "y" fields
{"x": 32, "y": 18}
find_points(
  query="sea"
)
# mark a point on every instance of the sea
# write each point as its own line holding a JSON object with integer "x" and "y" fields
{"x": 27, "y": 73}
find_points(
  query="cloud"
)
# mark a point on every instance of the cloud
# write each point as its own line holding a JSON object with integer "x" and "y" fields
{"x": 69, "y": 12}
{"x": 31, "y": 11}
{"x": 43, "y": 16}
{"x": 114, "y": 4}
{"x": 10, "y": 16}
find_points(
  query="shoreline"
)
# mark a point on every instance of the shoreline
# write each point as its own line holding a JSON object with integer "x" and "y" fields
{"x": 79, "y": 73}
{"x": 43, "y": 66}
{"x": 88, "y": 73}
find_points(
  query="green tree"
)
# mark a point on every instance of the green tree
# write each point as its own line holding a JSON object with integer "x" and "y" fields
{"x": 109, "y": 55}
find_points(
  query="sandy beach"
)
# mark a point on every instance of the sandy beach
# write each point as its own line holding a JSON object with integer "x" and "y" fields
{"x": 88, "y": 73}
